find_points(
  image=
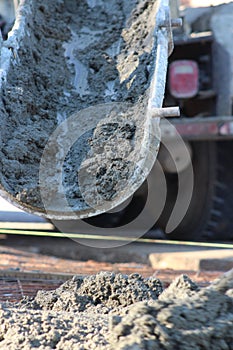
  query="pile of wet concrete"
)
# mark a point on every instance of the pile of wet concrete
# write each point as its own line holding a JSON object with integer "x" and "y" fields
{"x": 109, "y": 311}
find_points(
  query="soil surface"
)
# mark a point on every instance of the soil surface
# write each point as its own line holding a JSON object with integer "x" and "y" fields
{"x": 109, "y": 311}
{"x": 74, "y": 56}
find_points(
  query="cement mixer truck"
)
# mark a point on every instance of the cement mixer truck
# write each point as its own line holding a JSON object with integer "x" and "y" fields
{"x": 199, "y": 81}
{"x": 83, "y": 91}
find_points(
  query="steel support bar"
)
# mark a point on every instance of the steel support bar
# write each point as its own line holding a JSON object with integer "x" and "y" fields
{"x": 206, "y": 128}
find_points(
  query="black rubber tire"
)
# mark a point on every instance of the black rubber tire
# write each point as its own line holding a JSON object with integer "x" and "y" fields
{"x": 109, "y": 220}
{"x": 210, "y": 214}
{"x": 124, "y": 216}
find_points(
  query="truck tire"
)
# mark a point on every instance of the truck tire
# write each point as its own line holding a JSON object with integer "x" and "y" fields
{"x": 120, "y": 218}
{"x": 124, "y": 216}
{"x": 210, "y": 213}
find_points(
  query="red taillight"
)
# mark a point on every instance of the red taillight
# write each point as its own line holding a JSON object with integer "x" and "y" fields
{"x": 183, "y": 78}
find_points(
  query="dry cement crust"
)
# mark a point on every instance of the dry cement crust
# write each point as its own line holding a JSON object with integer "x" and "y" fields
{"x": 112, "y": 44}
{"x": 111, "y": 311}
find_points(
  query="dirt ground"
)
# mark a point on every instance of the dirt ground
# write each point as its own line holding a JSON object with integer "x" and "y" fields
{"x": 109, "y": 311}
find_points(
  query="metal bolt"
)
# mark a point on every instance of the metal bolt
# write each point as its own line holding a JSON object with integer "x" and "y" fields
{"x": 176, "y": 22}
{"x": 167, "y": 112}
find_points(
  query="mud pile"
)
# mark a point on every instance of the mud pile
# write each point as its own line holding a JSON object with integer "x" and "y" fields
{"x": 109, "y": 311}
{"x": 75, "y": 55}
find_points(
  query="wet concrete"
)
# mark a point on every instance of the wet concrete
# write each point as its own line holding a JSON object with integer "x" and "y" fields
{"x": 109, "y": 311}
{"x": 85, "y": 53}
